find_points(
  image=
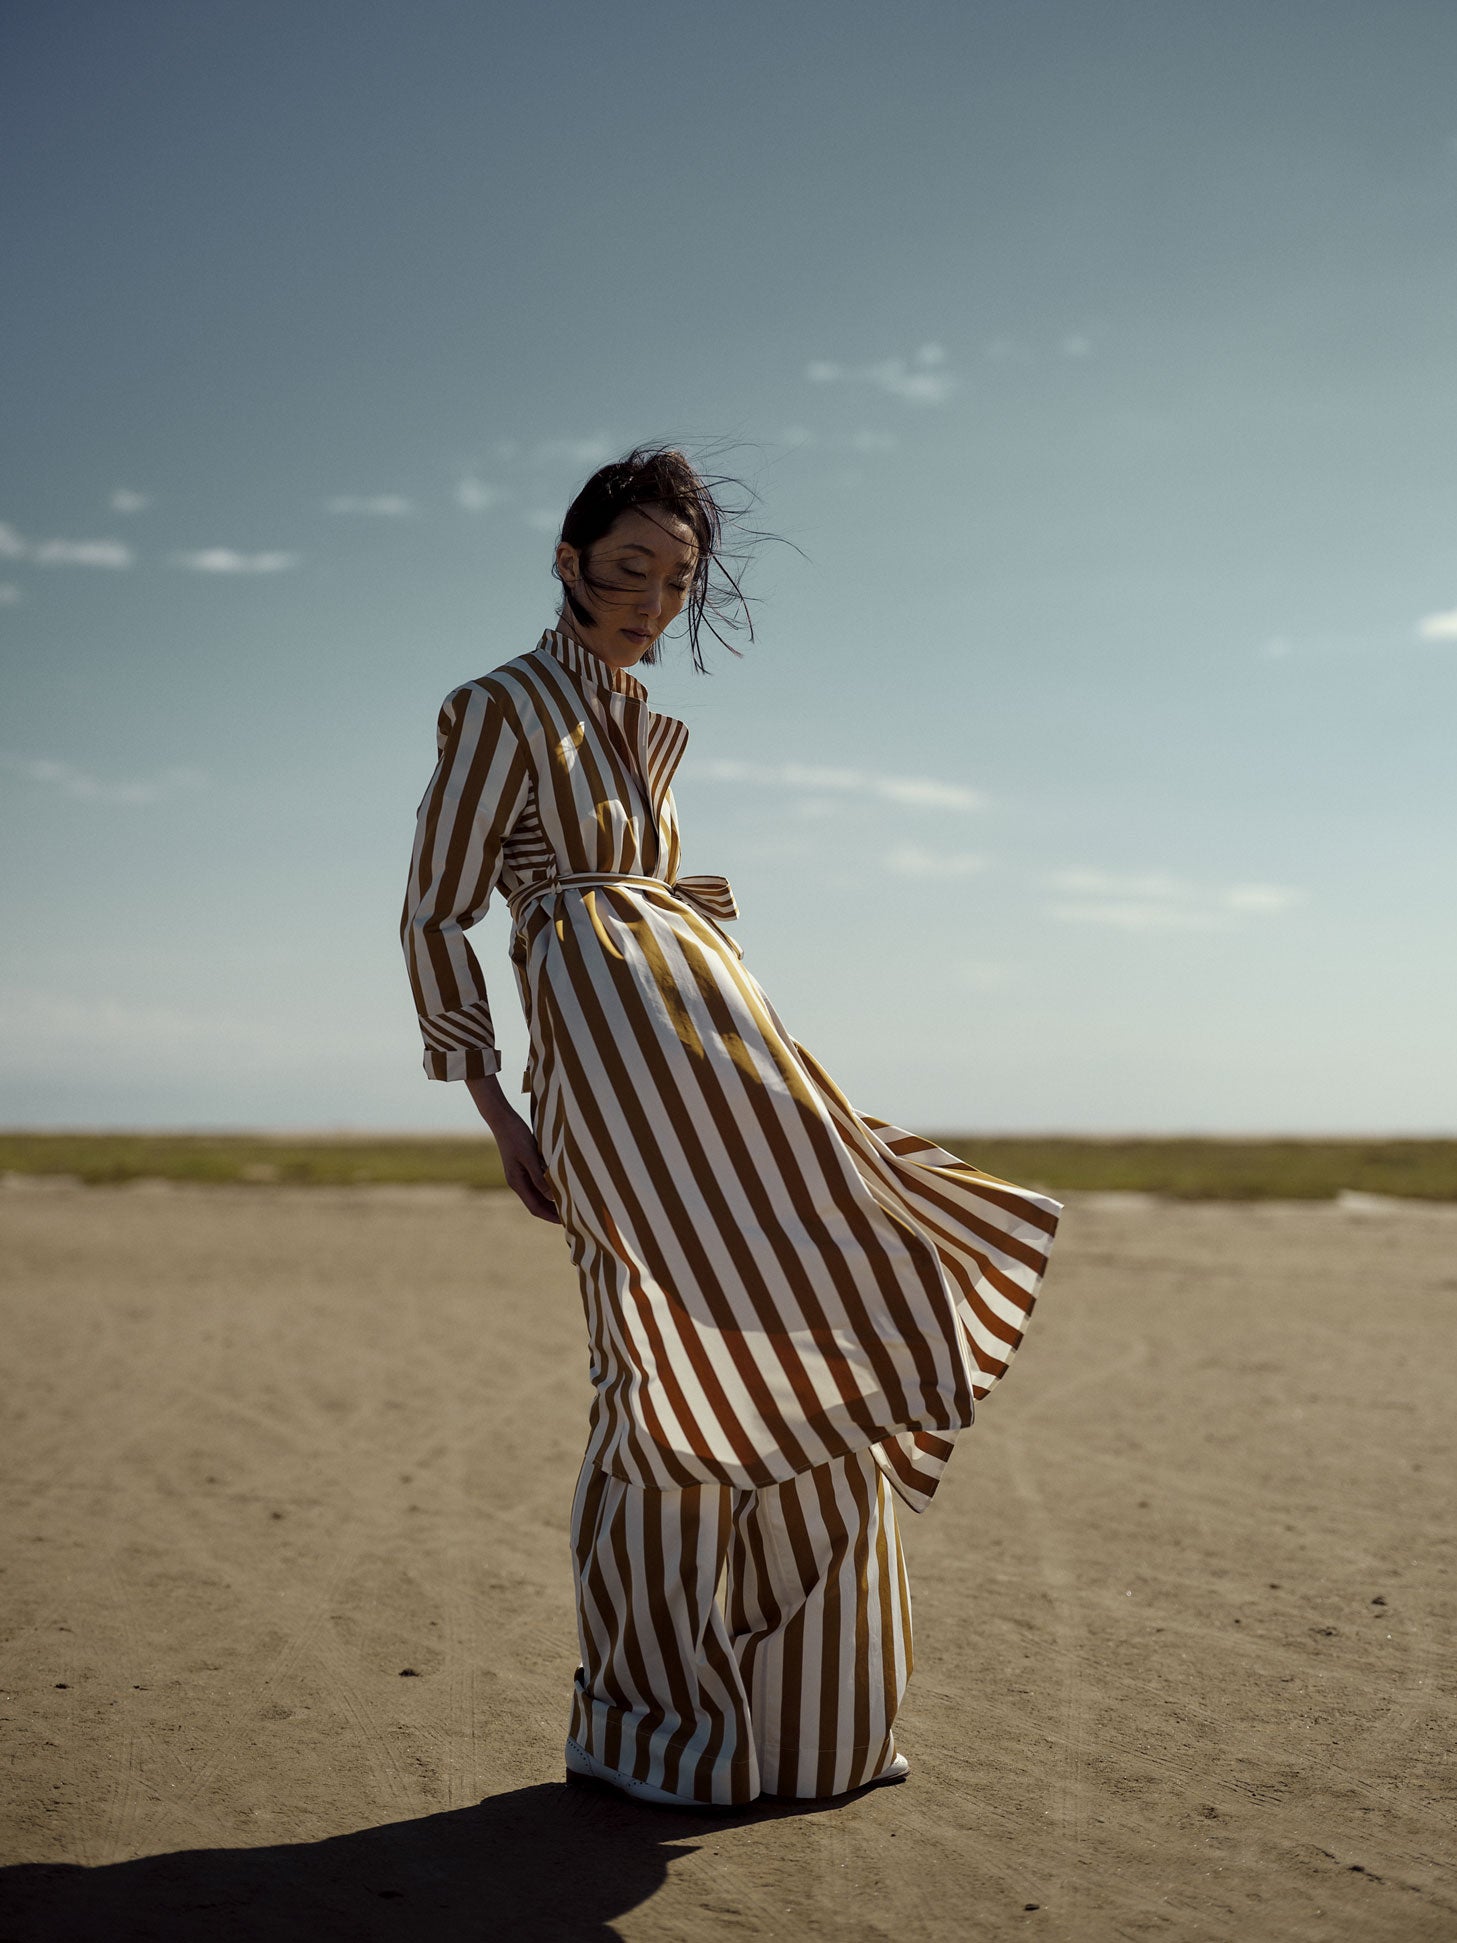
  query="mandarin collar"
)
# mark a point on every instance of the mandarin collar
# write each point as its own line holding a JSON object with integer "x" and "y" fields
{"x": 588, "y": 666}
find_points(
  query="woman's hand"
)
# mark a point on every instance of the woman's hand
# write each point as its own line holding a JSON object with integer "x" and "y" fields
{"x": 520, "y": 1156}
{"x": 525, "y": 1169}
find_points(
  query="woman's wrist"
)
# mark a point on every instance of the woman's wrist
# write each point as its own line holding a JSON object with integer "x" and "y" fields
{"x": 491, "y": 1102}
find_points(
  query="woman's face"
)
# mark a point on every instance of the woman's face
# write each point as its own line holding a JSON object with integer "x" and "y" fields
{"x": 642, "y": 570}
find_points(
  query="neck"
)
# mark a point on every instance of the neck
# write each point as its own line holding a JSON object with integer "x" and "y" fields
{"x": 564, "y": 624}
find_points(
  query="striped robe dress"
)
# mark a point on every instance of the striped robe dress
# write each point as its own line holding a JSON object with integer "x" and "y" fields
{"x": 771, "y": 1280}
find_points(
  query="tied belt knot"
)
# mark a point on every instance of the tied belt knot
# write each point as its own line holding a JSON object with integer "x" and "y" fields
{"x": 708, "y": 895}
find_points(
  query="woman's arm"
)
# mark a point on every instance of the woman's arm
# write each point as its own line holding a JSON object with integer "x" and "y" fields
{"x": 480, "y": 786}
{"x": 520, "y": 1155}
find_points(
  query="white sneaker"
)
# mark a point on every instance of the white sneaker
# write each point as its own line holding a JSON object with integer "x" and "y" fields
{"x": 588, "y": 1768}
{"x": 899, "y": 1768}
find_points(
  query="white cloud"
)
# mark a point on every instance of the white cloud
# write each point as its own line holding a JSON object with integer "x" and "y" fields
{"x": 924, "y": 379}
{"x": 1276, "y": 648}
{"x": 81, "y": 553}
{"x": 1013, "y": 350}
{"x": 1438, "y": 627}
{"x": 385, "y": 505}
{"x": 582, "y": 455}
{"x": 723, "y": 769}
{"x": 10, "y": 594}
{"x": 83, "y": 787}
{"x": 799, "y": 437}
{"x": 55, "y": 1025}
{"x": 1102, "y": 883}
{"x": 1158, "y": 901}
{"x": 48, "y": 1031}
{"x": 910, "y": 860}
{"x": 476, "y": 496}
{"x": 801, "y": 775}
{"x": 918, "y": 792}
{"x": 1260, "y": 897}
{"x": 63, "y": 553}
{"x": 572, "y": 452}
{"x": 222, "y": 559}
{"x": 124, "y": 500}
{"x": 921, "y": 792}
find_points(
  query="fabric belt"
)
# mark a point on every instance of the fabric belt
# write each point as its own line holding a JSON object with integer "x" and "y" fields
{"x": 708, "y": 895}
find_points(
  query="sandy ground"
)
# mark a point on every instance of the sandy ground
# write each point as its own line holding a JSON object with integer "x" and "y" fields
{"x": 287, "y": 1618}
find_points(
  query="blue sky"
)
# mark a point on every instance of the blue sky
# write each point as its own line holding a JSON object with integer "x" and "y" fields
{"x": 1098, "y": 362}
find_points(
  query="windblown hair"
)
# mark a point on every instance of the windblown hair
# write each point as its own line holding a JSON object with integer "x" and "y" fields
{"x": 658, "y": 478}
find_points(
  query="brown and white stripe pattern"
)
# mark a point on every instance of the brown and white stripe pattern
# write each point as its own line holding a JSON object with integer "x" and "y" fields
{"x": 771, "y": 1280}
{"x": 791, "y": 1685}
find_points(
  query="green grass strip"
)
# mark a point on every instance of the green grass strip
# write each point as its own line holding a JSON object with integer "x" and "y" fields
{"x": 1184, "y": 1170}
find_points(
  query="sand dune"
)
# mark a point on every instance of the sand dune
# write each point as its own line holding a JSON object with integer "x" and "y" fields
{"x": 287, "y": 1617}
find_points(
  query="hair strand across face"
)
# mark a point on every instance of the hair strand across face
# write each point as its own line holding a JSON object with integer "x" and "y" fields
{"x": 661, "y": 482}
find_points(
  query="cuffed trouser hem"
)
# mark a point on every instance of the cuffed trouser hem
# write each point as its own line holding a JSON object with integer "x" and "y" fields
{"x": 663, "y": 1754}
{"x": 706, "y": 1700}
{"x": 811, "y": 1773}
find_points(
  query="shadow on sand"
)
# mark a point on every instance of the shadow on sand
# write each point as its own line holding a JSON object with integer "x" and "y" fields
{"x": 552, "y": 1862}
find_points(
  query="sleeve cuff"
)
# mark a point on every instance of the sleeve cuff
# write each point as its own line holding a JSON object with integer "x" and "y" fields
{"x": 461, "y": 1062}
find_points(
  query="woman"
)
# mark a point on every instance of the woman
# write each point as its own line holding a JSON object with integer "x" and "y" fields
{"x": 791, "y": 1308}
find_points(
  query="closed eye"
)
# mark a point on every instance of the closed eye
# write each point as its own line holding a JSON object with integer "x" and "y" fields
{"x": 678, "y": 586}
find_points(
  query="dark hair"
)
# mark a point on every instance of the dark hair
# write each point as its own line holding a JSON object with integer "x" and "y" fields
{"x": 660, "y": 476}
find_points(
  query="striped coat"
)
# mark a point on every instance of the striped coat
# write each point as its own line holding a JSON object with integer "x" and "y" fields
{"x": 771, "y": 1280}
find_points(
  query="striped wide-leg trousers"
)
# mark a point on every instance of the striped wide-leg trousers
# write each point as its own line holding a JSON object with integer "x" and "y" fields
{"x": 741, "y": 1642}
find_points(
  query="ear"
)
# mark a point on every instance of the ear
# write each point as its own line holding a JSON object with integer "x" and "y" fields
{"x": 567, "y": 564}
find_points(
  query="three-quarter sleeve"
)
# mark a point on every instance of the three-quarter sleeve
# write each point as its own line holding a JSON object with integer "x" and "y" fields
{"x": 479, "y": 788}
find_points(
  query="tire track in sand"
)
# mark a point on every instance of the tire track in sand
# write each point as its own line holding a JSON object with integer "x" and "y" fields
{"x": 203, "y": 1770}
